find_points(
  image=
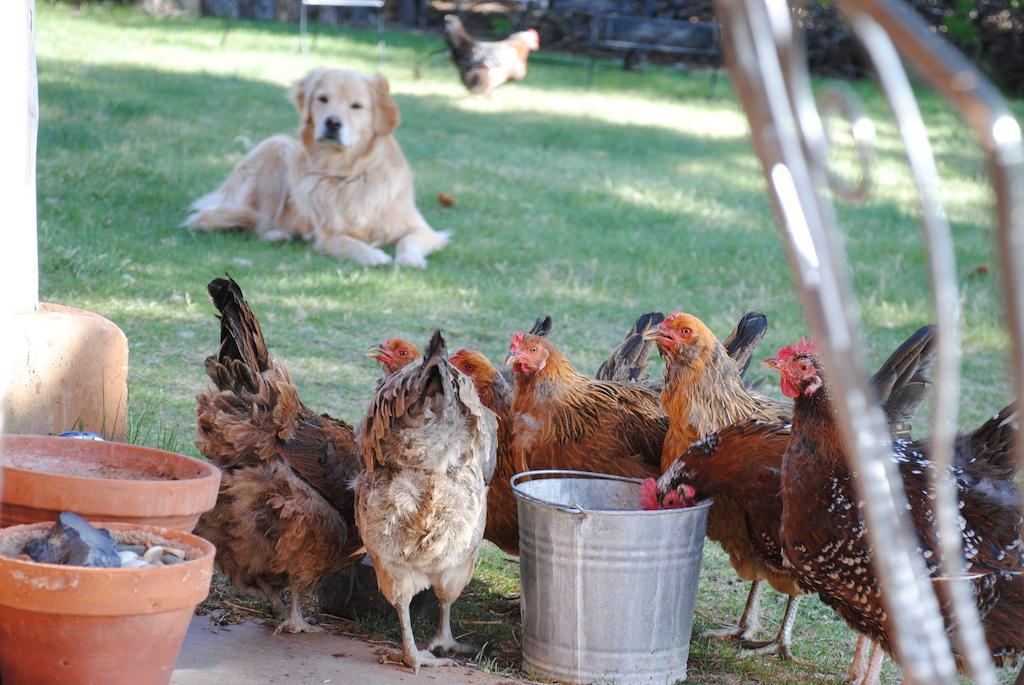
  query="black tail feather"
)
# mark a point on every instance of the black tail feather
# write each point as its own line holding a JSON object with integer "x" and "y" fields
{"x": 628, "y": 362}
{"x": 991, "y": 445}
{"x": 241, "y": 337}
{"x": 745, "y": 338}
{"x": 901, "y": 383}
{"x": 542, "y": 326}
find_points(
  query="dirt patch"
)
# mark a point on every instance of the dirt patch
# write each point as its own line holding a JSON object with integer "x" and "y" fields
{"x": 63, "y": 465}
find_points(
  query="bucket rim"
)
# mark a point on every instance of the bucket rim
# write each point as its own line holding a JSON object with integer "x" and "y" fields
{"x": 576, "y": 509}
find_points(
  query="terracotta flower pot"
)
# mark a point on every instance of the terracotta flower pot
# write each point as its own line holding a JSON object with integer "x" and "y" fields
{"x": 103, "y": 481}
{"x": 63, "y": 625}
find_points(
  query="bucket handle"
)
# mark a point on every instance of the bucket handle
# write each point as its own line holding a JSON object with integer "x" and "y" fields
{"x": 575, "y": 509}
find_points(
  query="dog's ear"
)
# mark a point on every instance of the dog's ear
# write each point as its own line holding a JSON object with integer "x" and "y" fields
{"x": 385, "y": 110}
{"x": 302, "y": 91}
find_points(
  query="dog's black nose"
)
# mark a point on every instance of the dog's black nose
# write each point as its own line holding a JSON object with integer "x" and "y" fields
{"x": 333, "y": 123}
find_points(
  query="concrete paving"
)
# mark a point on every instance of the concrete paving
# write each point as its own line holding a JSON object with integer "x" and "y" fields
{"x": 249, "y": 652}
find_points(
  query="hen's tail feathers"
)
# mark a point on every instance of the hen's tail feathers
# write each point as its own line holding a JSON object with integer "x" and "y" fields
{"x": 458, "y": 39}
{"x": 1002, "y": 626}
{"x": 991, "y": 445}
{"x": 241, "y": 338}
{"x": 745, "y": 338}
{"x": 901, "y": 383}
{"x": 435, "y": 372}
{"x": 542, "y": 326}
{"x": 628, "y": 361}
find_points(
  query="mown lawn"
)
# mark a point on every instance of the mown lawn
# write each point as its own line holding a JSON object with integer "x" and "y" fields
{"x": 591, "y": 205}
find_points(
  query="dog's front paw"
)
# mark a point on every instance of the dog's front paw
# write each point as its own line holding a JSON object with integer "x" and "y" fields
{"x": 413, "y": 259}
{"x": 371, "y": 256}
{"x": 409, "y": 253}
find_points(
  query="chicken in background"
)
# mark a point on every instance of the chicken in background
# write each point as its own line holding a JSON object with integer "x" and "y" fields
{"x": 428, "y": 447}
{"x": 284, "y": 516}
{"x": 738, "y": 461}
{"x": 824, "y": 536}
{"x": 484, "y": 66}
{"x": 393, "y": 354}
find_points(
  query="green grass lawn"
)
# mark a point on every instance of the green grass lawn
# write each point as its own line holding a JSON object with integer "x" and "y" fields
{"x": 591, "y": 205}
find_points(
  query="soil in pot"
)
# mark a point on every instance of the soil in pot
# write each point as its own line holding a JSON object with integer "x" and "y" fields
{"x": 106, "y": 481}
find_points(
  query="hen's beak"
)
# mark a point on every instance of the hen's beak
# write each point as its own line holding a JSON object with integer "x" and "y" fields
{"x": 652, "y": 335}
{"x": 375, "y": 352}
{"x": 772, "y": 363}
{"x": 510, "y": 358}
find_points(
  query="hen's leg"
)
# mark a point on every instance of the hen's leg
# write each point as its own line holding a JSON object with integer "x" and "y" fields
{"x": 448, "y": 587}
{"x": 399, "y": 593}
{"x": 443, "y": 639}
{"x": 859, "y": 664}
{"x": 410, "y": 655}
{"x": 782, "y": 643}
{"x": 296, "y": 623}
{"x": 874, "y": 671}
{"x": 750, "y": 620}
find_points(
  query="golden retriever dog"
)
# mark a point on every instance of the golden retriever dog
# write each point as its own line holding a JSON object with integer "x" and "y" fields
{"x": 344, "y": 185}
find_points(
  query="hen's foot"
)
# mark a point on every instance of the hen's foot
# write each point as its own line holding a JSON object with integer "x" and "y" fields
{"x": 777, "y": 647}
{"x": 740, "y": 632}
{"x": 415, "y": 660}
{"x": 296, "y": 625}
{"x": 450, "y": 646}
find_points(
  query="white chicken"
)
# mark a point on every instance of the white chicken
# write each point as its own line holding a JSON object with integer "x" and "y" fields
{"x": 428, "y": 448}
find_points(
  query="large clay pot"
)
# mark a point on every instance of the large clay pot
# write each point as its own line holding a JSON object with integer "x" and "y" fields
{"x": 104, "y": 481}
{"x": 69, "y": 625}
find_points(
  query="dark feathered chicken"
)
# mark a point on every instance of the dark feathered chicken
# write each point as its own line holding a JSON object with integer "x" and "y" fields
{"x": 739, "y": 467}
{"x": 284, "y": 516}
{"x": 484, "y": 66}
{"x": 824, "y": 535}
{"x": 428, "y": 446}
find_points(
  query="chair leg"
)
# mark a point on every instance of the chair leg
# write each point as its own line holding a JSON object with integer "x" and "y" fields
{"x": 319, "y": 25}
{"x": 303, "y": 38}
{"x": 713, "y": 83}
{"x": 382, "y": 57}
{"x": 227, "y": 27}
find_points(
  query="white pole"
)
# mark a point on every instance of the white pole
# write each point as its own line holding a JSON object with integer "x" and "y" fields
{"x": 19, "y": 122}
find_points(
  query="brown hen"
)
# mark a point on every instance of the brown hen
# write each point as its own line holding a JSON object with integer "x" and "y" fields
{"x": 393, "y": 354}
{"x": 284, "y": 516}
{"x": 496, "y": 394}
{"x": 563, "y": 419}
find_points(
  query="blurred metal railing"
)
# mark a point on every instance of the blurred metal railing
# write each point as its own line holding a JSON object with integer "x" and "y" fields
{"x": 769, "y": 70}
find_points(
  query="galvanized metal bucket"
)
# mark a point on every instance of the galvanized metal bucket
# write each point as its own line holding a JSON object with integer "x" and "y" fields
{"x": 608, "y": 589}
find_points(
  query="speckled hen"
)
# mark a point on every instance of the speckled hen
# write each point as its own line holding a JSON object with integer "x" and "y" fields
{"x": 823, "y": 531}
